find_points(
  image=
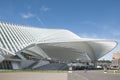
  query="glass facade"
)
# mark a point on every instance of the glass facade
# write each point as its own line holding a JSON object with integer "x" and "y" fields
{"x": 6, "y": 65}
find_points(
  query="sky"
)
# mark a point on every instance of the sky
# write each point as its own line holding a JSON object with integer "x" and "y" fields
{"x": 99, "y": 19}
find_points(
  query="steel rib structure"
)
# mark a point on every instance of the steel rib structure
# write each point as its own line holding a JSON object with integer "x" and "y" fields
{"x": 50, "y": 43}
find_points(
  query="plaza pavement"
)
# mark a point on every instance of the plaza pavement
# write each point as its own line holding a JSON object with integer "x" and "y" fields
{"x": 74, "y": 75}
{"x": 92, "y": 75}
{"x": 32, "y": 76}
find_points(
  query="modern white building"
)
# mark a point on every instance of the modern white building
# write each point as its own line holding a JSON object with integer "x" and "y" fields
{"x": 21, "y": 43}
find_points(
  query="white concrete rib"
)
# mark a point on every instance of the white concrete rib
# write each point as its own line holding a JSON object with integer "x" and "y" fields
{"x": 54, "y": 43}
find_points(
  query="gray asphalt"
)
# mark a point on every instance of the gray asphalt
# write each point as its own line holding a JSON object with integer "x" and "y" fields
{"x": 92, "y": 75}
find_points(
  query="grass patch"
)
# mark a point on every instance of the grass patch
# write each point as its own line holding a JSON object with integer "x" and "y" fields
{"x": 109, "y": 71}
{"x": 118, "y": 71}
{"x": 113, "y": 71}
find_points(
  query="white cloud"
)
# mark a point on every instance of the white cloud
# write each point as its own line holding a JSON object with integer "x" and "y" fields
{"x": 27, "y": 15}
{"x": 33, "y": 16}
{"x": 41, "y": 22}
{"x": 44, "y": 9}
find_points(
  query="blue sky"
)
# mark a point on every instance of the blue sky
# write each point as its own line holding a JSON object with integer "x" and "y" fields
{"x": 87, "y": 18}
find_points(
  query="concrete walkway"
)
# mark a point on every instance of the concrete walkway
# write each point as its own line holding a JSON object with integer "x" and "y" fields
{"x": 75, "y": 75}
{"x": 33, "y": 76}
{"x": 92, "y": 75}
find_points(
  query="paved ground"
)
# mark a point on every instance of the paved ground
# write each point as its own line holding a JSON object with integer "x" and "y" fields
{"x": 32, "y": 76}
{"x": 75, "y": 75}
{"x": 92, "y": 75}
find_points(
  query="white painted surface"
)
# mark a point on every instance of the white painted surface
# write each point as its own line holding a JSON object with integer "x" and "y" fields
{"x": 54, "y": 43}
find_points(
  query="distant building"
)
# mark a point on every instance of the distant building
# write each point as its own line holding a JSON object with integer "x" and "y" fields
{"x": 116, "y": 55}
{"x": 116, "y": 60}
{"x": 104, "y": 63}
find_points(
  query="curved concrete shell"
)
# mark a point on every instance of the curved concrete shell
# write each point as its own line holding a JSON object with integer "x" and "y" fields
{"x": 50, "y": 43}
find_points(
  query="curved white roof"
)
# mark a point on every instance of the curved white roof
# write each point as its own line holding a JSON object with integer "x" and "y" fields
{"x": 50, "y": 43}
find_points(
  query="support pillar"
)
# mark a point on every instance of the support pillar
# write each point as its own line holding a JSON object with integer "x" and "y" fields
{"x": 95, "y": 64}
